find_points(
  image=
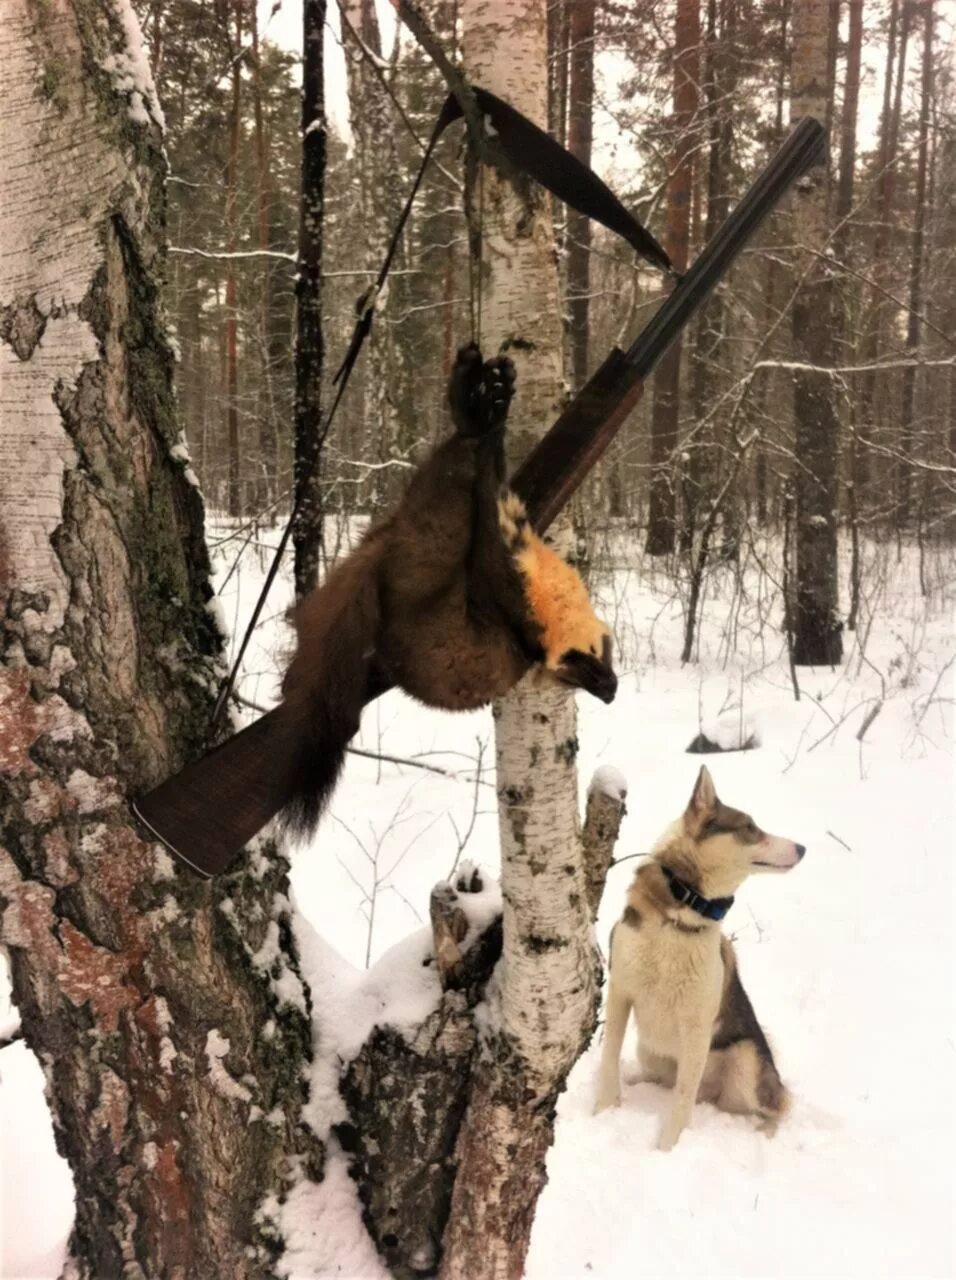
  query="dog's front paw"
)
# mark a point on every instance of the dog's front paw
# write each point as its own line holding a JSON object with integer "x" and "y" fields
{"x": 668, "y": 1137}
{"x": 606, "y": 1100}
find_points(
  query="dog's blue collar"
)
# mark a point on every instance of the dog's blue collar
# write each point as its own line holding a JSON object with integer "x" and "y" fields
{"x": 685, "y": 896}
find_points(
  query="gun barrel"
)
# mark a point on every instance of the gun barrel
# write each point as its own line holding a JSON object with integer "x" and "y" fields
{"x": 805, "y": 147}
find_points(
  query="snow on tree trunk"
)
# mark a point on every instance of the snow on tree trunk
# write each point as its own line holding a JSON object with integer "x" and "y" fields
{"x": 143, "y": 992}
{"x": 544, "y": 1006}
{"x": 817, "y": 628}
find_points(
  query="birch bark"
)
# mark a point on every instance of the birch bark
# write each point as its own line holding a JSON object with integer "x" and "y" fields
{"x": 545, "y": 1003}
{"x": 135, "y": 990}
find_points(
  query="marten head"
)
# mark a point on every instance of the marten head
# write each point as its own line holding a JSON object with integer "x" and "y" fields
{"x": 588, "y": 669}
{"x": 576, "y": 644}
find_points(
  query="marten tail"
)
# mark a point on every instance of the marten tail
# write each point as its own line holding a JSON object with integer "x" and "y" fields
{"x": 287, "y": 761}
{"x": 326, "y": 685}
{"x": 513, "y": 522}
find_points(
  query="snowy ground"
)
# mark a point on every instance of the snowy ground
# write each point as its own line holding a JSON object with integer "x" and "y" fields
{"x": 848, "y": 960}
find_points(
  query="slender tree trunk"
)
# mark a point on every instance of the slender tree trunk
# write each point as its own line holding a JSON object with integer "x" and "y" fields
{"x": 662, "y": 514}
{"x": 833, "y": 45}
{"x": 579, "y": 144}
{"x": 559, "y": 37}
{"x": 267, "y": 466}
{"x": 232, "y": 292}
{"x": 195, "y": 423}
{"x": 377, "y": 166}
{"x": 905, "y": 475}
{"x": 309, "y": 351}
{"x": 763, "y": 390}
{"x": 522, "y": 1066}
{"x": 848, "y": 289}
{"x": 817, "y": 628}
{"x": 702, "y": 480}
{"x": 885, "y": 190}
{"x": 851, "y": 97}
{"x": 140, "y": 999}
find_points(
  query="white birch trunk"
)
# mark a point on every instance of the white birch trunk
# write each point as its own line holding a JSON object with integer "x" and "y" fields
{"x": 547, "y": 980}
{"x": 123, "y": 968}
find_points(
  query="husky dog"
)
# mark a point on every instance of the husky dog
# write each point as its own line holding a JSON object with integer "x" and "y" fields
{"x": 670, "y": 964}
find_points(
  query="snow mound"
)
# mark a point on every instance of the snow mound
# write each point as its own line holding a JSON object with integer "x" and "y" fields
{"x": 734, "y": 730}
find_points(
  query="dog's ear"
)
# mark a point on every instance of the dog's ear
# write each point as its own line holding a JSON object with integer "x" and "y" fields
{"x": 703, "y": 802}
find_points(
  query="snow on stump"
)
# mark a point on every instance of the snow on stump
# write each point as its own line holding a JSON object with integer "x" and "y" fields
{"x": 406, "y": 1090}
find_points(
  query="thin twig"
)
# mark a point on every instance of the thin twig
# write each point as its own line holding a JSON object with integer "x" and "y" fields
{"x": 381, "y": 755}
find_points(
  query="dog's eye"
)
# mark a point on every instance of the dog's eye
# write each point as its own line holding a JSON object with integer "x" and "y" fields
{"x": 751, "y": 828}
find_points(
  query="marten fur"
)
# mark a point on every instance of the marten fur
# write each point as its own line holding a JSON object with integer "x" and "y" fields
{"x": 452, "y": 598}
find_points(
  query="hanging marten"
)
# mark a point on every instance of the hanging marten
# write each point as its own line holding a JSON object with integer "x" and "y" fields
{"x": 452, "y": 598}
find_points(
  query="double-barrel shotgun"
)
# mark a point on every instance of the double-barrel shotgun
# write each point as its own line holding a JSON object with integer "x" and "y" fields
{"x": 210, "y": 810}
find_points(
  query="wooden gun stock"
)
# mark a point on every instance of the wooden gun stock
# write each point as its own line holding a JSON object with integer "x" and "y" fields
{"x": 206, "y": 813}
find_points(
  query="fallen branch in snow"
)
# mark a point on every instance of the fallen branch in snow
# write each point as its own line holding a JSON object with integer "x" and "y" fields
{"x": 833, "y": 836}
{"x": 837, "y": 723}
{"x": 931, "y": 696}
{"x": 868, "y": 719}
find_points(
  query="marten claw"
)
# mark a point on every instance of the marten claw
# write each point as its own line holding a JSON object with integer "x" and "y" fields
{"x": 494, "y": 392}
{"x": 480, "y": 391}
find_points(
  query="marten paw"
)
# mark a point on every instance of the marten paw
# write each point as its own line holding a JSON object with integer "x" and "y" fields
{"x": 480, "y": 391}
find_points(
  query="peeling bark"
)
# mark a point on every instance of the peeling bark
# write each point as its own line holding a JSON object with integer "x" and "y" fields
{"x": 124, "y": 969}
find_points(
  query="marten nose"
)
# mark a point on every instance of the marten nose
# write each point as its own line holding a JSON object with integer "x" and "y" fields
{"x": 801, "y": 850}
